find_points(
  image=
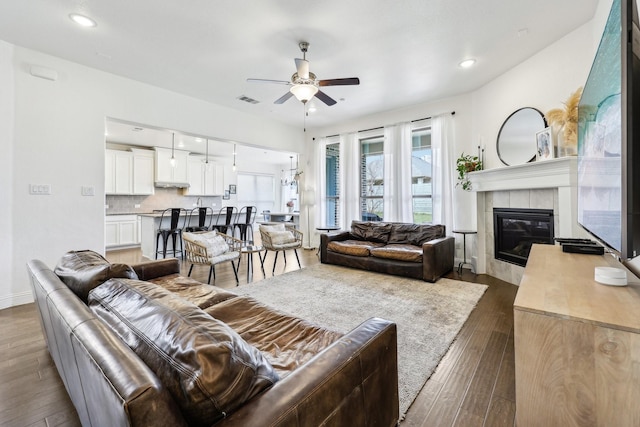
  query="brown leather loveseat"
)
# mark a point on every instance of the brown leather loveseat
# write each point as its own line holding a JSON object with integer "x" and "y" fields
{"x": 143, "y": 346}
{"x": 420, "y": 251}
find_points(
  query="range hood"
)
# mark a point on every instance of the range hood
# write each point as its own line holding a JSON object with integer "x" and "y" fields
{"x": 168, "y": 184}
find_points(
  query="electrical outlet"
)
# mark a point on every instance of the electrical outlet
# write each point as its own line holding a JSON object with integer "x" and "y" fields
{"x": 40, "y": 189}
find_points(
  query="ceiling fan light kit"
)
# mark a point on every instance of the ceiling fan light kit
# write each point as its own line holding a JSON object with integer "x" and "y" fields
{"x": 305, "y": 85}
{"x": 303, "y": 92}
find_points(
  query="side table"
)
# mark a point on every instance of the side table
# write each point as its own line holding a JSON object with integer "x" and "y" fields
{"x": 326, "y": 229}
{"x": 464, "y": 249}
{"x": 249, "y": 251}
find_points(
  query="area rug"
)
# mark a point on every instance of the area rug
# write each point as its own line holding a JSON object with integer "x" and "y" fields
{"x": 428, "y": 315}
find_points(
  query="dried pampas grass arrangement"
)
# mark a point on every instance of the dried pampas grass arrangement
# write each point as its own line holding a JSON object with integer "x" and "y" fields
{"x": 566, "y": 119}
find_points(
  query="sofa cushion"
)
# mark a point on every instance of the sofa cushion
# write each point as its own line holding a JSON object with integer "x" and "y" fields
{"x": 287, "y": 342}
{"x": 83, "y": 270}
{"x": 415, "y": 234}
{"x": 352, "y": 247}
{"x": 208, "y": 368}
{"x": 200, "y": 294}
{"x": 409, "y": 253}
{"x": 371, "y": 231}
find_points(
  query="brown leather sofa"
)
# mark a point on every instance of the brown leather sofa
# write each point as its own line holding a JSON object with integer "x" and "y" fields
{"x": 298, "y": 374}
{"x": 420, "y": 251}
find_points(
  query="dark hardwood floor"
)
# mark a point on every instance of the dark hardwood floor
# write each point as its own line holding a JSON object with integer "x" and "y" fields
{"x": 474, "y": 384}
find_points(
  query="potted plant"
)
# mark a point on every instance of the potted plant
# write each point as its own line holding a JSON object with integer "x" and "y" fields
{"x": 467, "y": 163}
{"x": 290, "y": 205}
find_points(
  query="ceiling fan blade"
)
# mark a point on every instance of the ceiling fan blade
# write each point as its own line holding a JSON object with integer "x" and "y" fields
{"x": 302, "y": 65}
{"x": 280, "y": 82}
{"x": 340, "y": 82}
{"x": 325, "y": 98}
{"x": 283, "y": 98}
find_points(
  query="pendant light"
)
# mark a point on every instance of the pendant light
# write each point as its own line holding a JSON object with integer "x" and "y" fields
{"x": 206, "y": 163}
{"x": 234, "y": 157}
{"x": 172, "y": 161}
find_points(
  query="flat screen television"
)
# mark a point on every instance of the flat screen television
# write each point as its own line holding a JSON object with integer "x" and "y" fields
{"x": 609, "y": 136}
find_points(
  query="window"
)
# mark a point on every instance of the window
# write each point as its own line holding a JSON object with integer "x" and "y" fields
{"x": 332, "y": 184}
{"x": 256, "y": 190}
{"x": 421, "y": 176}
{"x": 371, "y": 178}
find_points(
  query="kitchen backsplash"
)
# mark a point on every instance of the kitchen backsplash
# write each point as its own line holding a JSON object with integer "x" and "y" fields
{"x": 162, "y": 199}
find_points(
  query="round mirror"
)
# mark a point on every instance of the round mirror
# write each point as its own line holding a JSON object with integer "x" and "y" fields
{"x": 516, "y": 143}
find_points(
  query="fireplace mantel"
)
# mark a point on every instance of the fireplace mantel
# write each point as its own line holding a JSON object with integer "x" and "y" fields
{"x": 549, "y": 184}
{"x": 554, "y": 173}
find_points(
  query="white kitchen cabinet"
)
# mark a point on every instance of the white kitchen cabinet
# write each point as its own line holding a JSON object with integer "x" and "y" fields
{"x": 166, "y": 173}
{"x": 196, "y": 173}
{"x": 218, "y": 180}
{"x": 118, "y": 172}
{"x": 143, "y": 172}
{"x": 203, "y": 180}
{"x": 121, "y": 230}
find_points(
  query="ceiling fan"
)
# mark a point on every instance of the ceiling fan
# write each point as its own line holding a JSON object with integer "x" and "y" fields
{"x": 304, "y": 84}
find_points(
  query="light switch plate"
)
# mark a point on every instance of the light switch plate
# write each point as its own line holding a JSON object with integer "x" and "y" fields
{"x": 88, "y": 191}
{"x": 40, "y": 189}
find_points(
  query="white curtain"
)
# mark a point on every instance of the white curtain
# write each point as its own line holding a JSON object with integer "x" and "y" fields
{"x": 398, "y": 195}
{"x": 321, "y": 184}
{"x": 443, "y": 158}
{"x": 349, "y": 207}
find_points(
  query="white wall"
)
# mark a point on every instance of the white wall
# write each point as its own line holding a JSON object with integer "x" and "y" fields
{"x": 59, "y": 140}
{"x": 6, "y": 170}
{"x": 543, "y": 81}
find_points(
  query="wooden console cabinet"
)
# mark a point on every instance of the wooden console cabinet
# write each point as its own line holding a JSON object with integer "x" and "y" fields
{"x": 577, "y": 343}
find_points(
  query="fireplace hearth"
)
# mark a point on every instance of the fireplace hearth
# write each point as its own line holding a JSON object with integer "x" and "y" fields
{"x": 515, "y": 230}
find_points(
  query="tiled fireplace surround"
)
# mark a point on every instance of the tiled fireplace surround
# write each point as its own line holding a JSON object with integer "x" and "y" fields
{"x": 549, "y": 184}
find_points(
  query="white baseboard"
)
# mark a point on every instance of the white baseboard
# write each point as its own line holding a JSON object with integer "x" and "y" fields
{"x": 16, "y": 299}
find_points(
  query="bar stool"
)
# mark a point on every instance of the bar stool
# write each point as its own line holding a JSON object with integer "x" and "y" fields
{"x": 225, "y": 220}
{"x": 174, "y": 231}
{"x": 245, "y": 219}
{"x": 201, "y": 213}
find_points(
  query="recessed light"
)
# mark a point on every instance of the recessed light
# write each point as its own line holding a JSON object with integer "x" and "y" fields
{"x": 82, "y": 20}
{"x": 467, "y": 63}
{"x": 312, "y": 109}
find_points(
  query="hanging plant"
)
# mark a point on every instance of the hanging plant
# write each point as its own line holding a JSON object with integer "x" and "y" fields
{"x": 466, "y": 163}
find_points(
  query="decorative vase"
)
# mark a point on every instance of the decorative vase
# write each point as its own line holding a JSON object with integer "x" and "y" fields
{"x": 290, "y": 209}
{"x": 565, "y": 145}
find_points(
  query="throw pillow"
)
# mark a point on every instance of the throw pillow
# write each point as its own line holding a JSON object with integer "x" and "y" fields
{"x": 83, "y": 270}
{"x": 271, "y": 228}
{"x": 215, "y": 244}
{"x": 207, "y": 367}
{"x": 281, "y": 237}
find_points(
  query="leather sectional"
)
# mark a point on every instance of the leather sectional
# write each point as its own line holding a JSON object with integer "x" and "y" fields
{"x": 420, "y": 251}
{"x": 143, "y": 345}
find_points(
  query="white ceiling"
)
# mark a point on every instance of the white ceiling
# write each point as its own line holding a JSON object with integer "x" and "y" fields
{"x": 404, "y": 52}
{"x": 133, "y": 134}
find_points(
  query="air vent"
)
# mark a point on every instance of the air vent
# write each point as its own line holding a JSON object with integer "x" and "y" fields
{"x": 247, "y": 99}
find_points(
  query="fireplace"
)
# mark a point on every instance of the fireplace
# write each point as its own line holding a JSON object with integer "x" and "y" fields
{"x": 515, "y": 230}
